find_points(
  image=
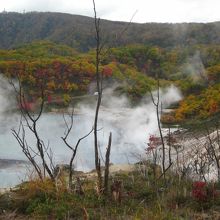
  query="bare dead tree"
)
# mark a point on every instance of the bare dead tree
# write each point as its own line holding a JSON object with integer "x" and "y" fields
{"x": 31, "y": 120}
{"x": 107, "y": 163}
{"x": 26, "y": 149}
{"x": 74, "y": 149}
{"x": 169, "y": 143}
{"x": 157, "y": 103}
{"x": 99, "y": 86}
{"x": 212, "y": 146}
{"x": 101, "y": 53}
{"x": 99, "y": 90}
{"x": 199, "y": 162}
{"x": 196, "y": 158}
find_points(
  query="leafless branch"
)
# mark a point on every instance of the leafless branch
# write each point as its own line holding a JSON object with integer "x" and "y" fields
{"x": 74, "y": 149}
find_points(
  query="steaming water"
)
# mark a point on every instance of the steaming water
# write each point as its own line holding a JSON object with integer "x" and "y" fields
{"x": 130, "y": 129}
{"x": 51, "y": 128}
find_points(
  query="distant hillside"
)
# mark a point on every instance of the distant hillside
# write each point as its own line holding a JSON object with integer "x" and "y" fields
{"x": 78, "y": 31}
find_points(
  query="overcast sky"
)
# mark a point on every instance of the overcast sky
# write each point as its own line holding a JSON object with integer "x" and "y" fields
{"x": 122, "y": 10}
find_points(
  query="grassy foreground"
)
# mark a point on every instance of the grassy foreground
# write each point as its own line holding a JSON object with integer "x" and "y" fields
{"x": 140, "y": 196}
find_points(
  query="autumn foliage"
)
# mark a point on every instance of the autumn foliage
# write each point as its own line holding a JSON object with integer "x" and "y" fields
{"x": 63, "y": 70}
{"x": 201, "y": 192}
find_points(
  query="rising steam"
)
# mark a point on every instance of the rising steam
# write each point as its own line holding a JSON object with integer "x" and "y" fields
{"x": 130, "y": 128}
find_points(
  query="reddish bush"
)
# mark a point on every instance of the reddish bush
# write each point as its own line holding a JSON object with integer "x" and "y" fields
{"x": 199, "y": 191}
{"x": 153, "y": 143}
{"x": 27, "y": 106}
{"x": 49, "y": 98}
{"x": 202, "y": 192}
{"x": 107, "y": 71}
{"x": 199, "y": 184}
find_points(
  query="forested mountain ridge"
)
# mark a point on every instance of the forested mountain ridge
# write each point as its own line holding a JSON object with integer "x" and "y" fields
{"x": 78, "y": 31}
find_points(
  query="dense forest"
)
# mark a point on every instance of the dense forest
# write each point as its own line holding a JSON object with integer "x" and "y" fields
{"x": 78, "y": 32}
{"x": 195, "y": 70}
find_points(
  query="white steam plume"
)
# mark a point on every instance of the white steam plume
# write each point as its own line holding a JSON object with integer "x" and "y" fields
{"x": 195, "y": 68}
{"x": 130, "y": 127}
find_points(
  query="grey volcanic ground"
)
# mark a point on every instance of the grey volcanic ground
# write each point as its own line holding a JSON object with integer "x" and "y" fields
{"x": 8, "y": 163}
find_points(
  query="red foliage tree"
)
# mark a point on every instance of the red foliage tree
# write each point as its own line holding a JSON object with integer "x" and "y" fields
{"x": 107, "y": 71}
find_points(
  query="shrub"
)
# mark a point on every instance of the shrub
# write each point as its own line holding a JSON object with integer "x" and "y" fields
{"x": 199, "y": 191}
{"x": 204, "y": 195}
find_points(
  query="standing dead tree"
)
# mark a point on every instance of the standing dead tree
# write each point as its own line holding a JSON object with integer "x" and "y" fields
{"x": 170, "y": 143}
{"x": 74, "y": 149}
{"x": 157, "y": 103}
{"x": 212, "y": 146}
{"x": 107, "y": 163}
{"x": 102, "y": 186}
{"x": 199, "y": 160}
{"x": 40, "y": 153}
{"x": 99, "y": 85}
{"x": 99, "y": 90}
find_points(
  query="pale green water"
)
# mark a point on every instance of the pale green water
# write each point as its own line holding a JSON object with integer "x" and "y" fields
{"x": 51, "y": 128}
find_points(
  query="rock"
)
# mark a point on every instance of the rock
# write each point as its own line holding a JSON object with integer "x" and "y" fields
{"x": 121, "y": 168}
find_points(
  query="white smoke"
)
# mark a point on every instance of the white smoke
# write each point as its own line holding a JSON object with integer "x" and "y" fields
{"x": 195, "y": 68}
{"x": 7, "y": 104}
{"x": 7, "y": 100}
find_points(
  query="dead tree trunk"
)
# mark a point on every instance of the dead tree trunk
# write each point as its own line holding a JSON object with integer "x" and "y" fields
{"x": 99, "y": 90}
{"x": 107, "y": 163}
{"x": 74, "y": 149}
{"x": 213, "y": 148}
{"x": 31, "y": 122}
{"x": 100, "y": 44}
{"x": 99, "y": 86}
{"x": 157, "y": 106}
